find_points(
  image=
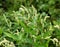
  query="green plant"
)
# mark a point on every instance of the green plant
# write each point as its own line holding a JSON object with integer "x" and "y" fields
{"x": 35, "y": 24}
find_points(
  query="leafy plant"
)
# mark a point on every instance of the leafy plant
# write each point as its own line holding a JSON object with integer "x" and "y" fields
{"x": 32, "y": 23}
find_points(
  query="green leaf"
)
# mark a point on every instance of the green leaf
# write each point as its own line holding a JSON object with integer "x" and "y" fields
{"x": 10, "y": 35}
{"x": 1, "y": 30}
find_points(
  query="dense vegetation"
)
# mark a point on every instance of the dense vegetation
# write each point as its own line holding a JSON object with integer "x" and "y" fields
{"x": 29, "y": 23}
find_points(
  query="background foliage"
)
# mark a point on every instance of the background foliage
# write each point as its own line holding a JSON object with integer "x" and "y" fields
{"x": 29, "y": 23}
